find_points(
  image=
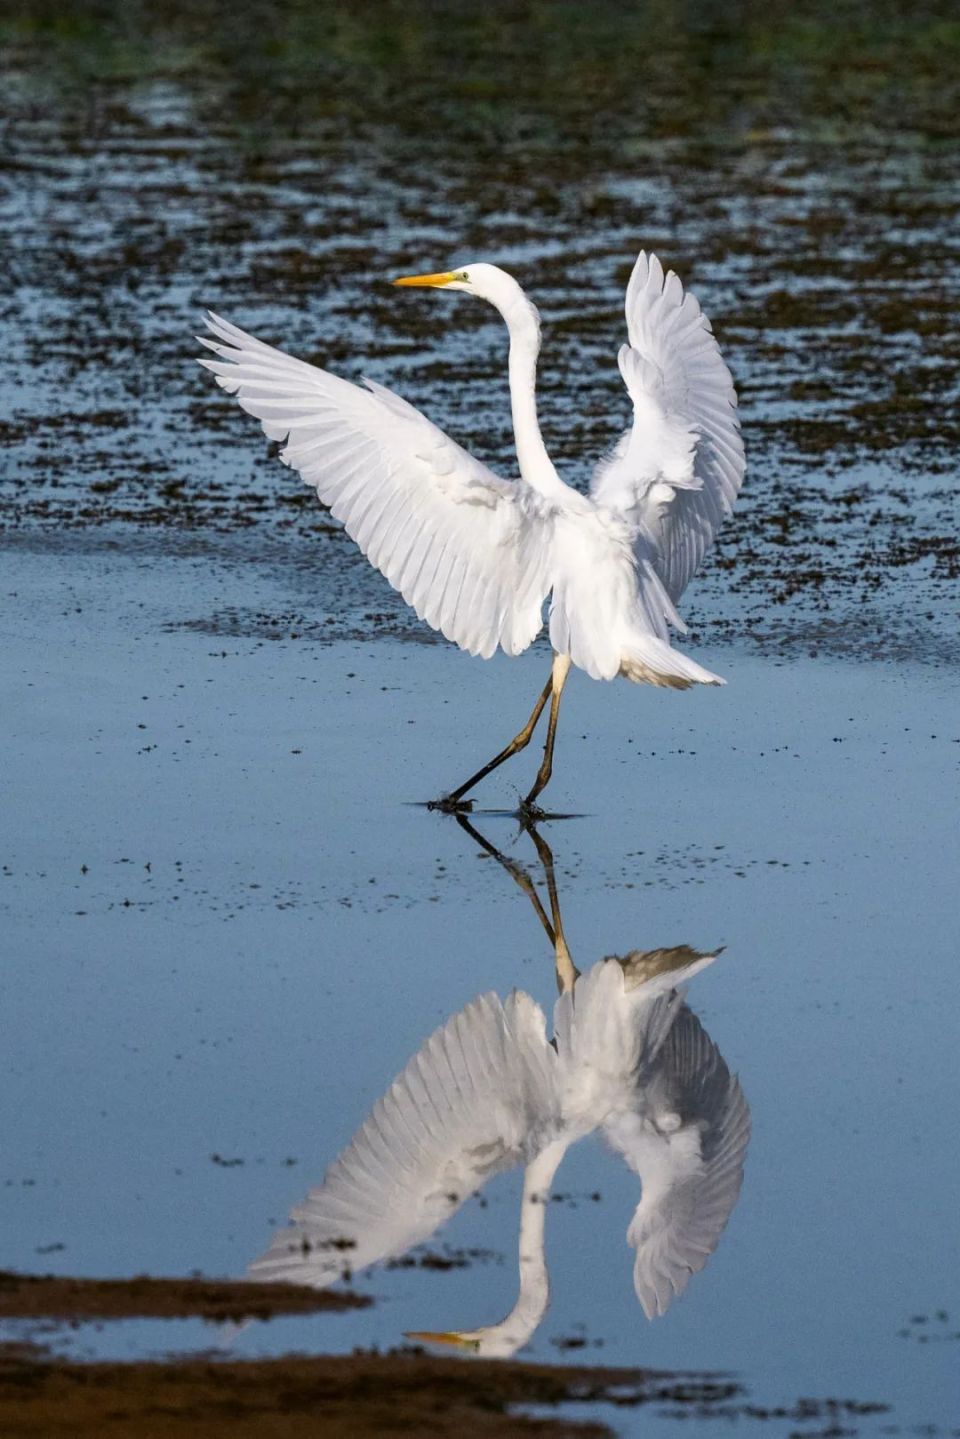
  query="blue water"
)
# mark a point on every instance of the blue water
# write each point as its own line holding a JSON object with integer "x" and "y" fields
{"x": 227, "y": 925}
{"x": 225, "y": 921}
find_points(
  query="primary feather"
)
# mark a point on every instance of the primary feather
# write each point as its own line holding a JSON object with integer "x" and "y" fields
{"x": 685, "y": 1134}
{"x": 467, "y": 550}
{"x": 676, "y": 473}
{"x": 477, "y": 1098}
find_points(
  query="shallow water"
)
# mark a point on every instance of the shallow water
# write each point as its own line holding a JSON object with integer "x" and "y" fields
{"x": 229, "y": 923}
{"x": 267, "y": 928}
{"x": 799, "y": 170}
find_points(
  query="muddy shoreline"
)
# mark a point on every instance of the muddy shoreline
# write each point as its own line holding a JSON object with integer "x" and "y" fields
{"x": 38, "y": 1296}
{"x": 361, "y": 1394}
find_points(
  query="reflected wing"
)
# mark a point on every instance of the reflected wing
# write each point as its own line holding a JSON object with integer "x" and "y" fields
{"x": 466, "y": 549}
{"x": 611, "y": 1029}
{"x": 676, "y": 473}
{"x": 687, "y": 1139}
{"x": 477, "y": 1098}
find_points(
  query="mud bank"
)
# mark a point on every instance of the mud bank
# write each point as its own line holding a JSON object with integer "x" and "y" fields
{"x": 48, "y": 1296}
{"x": 357, "y": 1395}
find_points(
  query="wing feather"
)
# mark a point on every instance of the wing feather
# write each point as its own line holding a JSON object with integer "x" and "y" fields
{"x": 481, "y": 544}
{"x": 687, "y": 1138}
{"x": 676, "y": 474}
{"x": 479, "y": 1096}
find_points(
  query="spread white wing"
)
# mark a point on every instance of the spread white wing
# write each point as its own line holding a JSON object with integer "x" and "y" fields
{"x": 477, "y": 1098}
{"x": 686, "y": 1137}
{"x": 468, "y": 550}
{"x": 676, "y": 473}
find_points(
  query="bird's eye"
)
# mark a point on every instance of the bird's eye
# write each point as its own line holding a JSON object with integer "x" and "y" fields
{"x": 462, "y": 275}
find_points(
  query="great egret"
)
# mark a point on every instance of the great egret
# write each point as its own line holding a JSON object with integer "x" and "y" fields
{"x": 488, "y": 1091}
{"x": 476, "y": 555}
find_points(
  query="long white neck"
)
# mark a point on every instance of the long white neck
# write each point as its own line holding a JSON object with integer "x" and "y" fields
{"x": 510, "y": 1334}
{"x": 523, "y": 324}
{"x": 534, "y": 1280}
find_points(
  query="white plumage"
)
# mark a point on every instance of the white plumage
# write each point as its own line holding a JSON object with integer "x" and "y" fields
{"x": 479, "y": 1097}
{"x": 476, "y": 555}
{"x": 488, "y": 1091}
{"x": 463, "y": 547}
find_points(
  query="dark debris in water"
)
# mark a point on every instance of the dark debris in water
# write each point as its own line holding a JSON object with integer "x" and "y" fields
{"x": 445, "y": 1259}
{"x": 935, "y": 1328}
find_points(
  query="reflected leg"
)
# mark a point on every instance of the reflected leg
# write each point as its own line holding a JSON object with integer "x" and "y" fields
{"x": 451, "y": 802}
{"x": 567, "y": 972}
{"x": 561, "y": 668}
{"x": 515, "y": 870}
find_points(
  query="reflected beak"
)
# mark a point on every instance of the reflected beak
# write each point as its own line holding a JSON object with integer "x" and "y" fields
{"x": 437, "y": 281}
{"x": 451, "y": 1337}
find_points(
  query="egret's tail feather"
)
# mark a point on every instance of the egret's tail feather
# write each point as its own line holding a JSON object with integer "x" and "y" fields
{"x": 649, "y": 660}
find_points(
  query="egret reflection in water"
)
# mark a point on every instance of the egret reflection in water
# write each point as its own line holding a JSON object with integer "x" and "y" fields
{"x": 488, "y": 1091}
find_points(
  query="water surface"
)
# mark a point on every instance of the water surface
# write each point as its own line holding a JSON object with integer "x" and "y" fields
{"x": 228, "y": 924}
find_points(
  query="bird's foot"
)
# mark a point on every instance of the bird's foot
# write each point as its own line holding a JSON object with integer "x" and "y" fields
{"x": 529, "y": 813}
{"x": 446, "y": 804}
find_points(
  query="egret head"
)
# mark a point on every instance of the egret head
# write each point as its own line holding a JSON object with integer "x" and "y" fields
{"x": 444, "y": 279}
{"x": 488, "y": 282}
{"x": 497, "y": 1341}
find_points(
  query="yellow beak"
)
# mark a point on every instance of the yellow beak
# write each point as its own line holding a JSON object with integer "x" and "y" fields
{"x": 438, "y": 280}
{"x": 456, "y": 1341}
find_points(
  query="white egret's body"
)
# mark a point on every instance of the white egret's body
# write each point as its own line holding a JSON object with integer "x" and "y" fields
{"x": 488, "y": 1091}
{"x": 475, "y": 555}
